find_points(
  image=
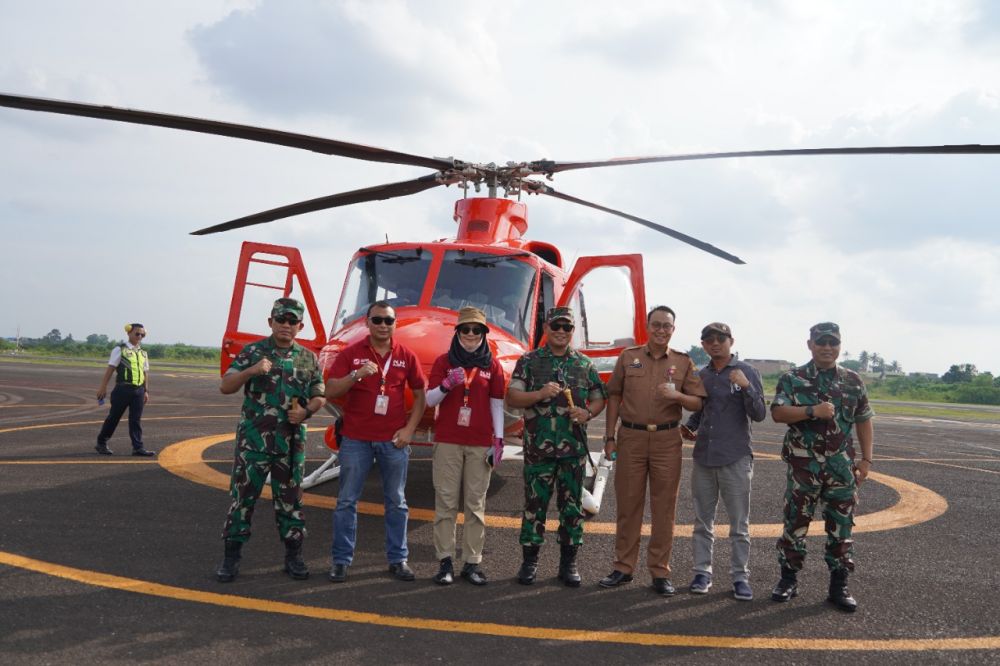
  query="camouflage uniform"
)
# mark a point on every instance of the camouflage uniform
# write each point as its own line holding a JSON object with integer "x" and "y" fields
{"x": 266, "y": 442}
{"x": 820, "y": 457}
{"x": 552, "y": 453}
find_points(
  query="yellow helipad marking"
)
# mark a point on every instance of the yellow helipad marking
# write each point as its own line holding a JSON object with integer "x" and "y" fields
{"x": 491, "y": 628}
{"x": 76, "y": 423}
{"x": 916, "y": 504}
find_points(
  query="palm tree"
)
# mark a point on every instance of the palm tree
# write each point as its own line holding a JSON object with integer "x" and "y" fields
{"x": 895, "y": 368}
{"x": 864, "y": 359}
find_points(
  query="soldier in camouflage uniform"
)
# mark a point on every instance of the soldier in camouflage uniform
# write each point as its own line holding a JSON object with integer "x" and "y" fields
{"x": 283, "y": 386}
{"x": 822, "y": 403}
{"x": 555, "y": 440}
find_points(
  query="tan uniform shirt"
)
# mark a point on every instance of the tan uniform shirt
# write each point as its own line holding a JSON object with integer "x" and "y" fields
{"x": 636, "y": 376}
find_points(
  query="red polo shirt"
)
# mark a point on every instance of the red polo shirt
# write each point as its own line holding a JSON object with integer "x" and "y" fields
{"x": 360, "y": 420}
{"x": 485, "y": 385}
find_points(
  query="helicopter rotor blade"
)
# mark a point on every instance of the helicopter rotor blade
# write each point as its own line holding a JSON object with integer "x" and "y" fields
{"x": 260, "y": 134}
{"x": 541, "y": 188}
{"x": 377, "y": 193}
{"x": 552, "y": 166}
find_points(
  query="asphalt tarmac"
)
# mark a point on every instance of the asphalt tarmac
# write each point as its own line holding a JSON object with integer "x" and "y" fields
{"x": 112, "y": 559}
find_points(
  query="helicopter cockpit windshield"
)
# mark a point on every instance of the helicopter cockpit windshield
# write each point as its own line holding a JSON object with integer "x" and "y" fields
{"x": 501, "y": 286}
{"x": 395, "y": 277}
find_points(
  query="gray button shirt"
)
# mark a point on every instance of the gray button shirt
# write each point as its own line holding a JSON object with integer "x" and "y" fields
{"x": 723, "y": 424}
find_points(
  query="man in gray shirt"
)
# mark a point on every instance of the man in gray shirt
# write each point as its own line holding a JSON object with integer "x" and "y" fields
{"x": 723, "y": 457}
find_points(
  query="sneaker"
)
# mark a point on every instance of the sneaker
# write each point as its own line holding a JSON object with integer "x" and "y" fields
{"x": 700, "y": 584}
{"x": 742, "y": 591}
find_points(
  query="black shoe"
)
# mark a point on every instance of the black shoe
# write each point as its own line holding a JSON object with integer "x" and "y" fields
{"x": 446, "y": 573}
{"x": 142, "y": 453}
{"x": 614, "y": 579}
{"x": 338, "y": 574}
{"x": 568, "y": 572}
{"x": 664, "y": 587}
{"x": 839, "y": 595}
{"x": 402, "y": 571}
{"x": 294, "y": 565}
{"x": 104, "y": 450}
{"x": 529, "y": 565}
{"x": 230, "y": 566}
{"x": 472, "y": 573}
{"x": 787, "y": 587}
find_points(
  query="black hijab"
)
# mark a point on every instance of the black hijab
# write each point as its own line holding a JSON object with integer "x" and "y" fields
{"x": 481, "y": 357}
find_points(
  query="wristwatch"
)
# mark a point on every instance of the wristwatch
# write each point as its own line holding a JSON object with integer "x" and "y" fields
{"x": 809, "y": 411}
{"x": 609, "y": 438}
{"x": 354, "y": 375}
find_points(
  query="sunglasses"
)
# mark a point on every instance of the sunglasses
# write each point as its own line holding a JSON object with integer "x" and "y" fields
{"x": 378, "y": 321}
{"x": 827, "y": 341}
{"x": 139, "y": 335}
{"x": 657, "y": 325}
{"x": 721, "y": 339}
{"x": 568, "y": 328}
{"x": 472, "y": 330}
{"x": 282, "y": 319}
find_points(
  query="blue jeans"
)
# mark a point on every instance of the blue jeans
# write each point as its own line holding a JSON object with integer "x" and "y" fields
{"x": 356, "y": 459}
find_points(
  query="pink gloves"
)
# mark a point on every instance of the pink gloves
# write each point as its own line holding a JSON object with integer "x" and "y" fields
{"x": 497, "y": 451}
{"x": 454, "y": 377}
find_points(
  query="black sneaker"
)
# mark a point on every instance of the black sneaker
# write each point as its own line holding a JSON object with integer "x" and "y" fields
{"x": 104, "y": 450}
{"x": 143, "y": 453}
{"x": 446, "y": 573}
{"x": 472, "y": 573}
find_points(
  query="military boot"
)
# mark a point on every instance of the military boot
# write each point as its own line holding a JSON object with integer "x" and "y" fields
{"x": 787, "y": 587}
{"x": 231, "y": 563}
{"x": 567, "y": 565}
{"x": 839, "y": 596}
{"x": 529, "y": 565}
{"x": 294, "y": 565}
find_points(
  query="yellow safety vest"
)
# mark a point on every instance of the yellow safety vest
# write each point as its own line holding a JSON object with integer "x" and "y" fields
{"x": 131, "y": 368}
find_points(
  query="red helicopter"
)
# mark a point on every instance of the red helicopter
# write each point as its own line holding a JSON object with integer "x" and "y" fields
{"x": 489, "y": 263}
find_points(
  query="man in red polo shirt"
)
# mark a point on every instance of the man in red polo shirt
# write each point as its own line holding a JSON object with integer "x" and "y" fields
{"x": 373, "y": 374}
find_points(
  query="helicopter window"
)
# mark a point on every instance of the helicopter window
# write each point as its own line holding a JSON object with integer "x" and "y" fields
{"x": 501, "y": 286}
{"x": 396, "y": 277}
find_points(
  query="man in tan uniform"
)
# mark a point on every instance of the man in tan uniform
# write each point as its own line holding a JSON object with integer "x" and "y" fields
{"x": 648, "y": 388}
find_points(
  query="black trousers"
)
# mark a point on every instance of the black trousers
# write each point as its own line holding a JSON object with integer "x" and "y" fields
{"x": 132, "y": 398}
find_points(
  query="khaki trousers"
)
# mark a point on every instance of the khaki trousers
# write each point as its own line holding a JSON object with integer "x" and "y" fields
{"x": 460, "y": 471}
{"x": 653, "y": 458}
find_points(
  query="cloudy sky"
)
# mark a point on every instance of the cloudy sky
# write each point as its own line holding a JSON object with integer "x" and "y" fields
{"x": 903, "y": 251}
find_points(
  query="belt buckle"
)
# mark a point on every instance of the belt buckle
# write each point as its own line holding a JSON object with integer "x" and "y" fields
{"x": 650, "y": 427}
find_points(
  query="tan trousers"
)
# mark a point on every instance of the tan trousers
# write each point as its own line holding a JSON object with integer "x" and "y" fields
{"x": 460, "y": 471}
{"x": 653, "y": 457}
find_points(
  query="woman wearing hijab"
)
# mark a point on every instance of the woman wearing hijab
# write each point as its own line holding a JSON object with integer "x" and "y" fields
{"x": 467, "y": 386}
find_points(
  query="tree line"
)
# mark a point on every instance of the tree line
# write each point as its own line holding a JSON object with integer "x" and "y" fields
{"x": 98, "y": 345}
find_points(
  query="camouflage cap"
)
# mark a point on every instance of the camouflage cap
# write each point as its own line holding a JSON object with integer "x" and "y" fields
{"x": 824, "y": 328}
{"x": 716, "y": 327}
{"x": 288, "y": 306}
{"x": 559, "y": 313}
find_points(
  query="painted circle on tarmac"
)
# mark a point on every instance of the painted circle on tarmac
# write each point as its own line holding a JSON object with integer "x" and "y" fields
{"x": 916, "y": 504}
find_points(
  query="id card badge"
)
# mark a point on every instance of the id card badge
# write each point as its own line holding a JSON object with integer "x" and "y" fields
{"x": 382, "y": 404}
{"x": 464, "y": 416}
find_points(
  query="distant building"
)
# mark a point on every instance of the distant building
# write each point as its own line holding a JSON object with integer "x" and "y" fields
{"x": 769, "y": 366}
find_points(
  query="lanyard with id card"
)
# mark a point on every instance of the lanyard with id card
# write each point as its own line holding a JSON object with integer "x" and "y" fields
{"x": 382, "y": 400}
{"x": 465, "y": 412}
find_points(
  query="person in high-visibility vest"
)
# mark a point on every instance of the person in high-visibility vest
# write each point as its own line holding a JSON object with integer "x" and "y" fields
{"x": 130, "y": 365}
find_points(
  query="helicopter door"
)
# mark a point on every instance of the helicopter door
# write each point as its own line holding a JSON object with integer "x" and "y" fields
{"x": 265, "y": 273}
{"x": 607, "y": 320}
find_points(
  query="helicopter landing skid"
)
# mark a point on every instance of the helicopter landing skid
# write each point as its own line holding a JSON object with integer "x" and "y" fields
{"x": 328, "y": 471}
{"x": 591, "y": 499}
